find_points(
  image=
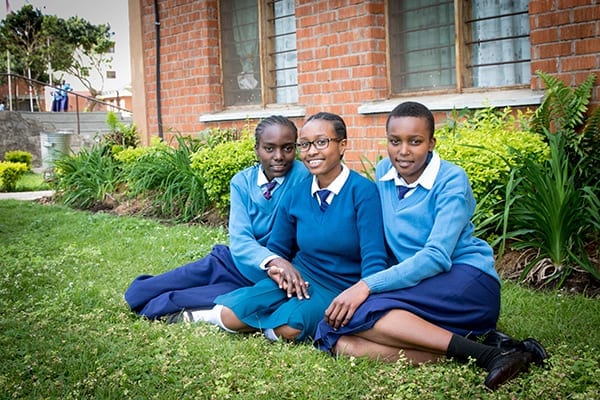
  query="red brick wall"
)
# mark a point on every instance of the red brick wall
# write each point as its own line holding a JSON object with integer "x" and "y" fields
{"x": 341, "y": 61}
{"x": 189, "y": 63}
{"x": 565, "y": 41}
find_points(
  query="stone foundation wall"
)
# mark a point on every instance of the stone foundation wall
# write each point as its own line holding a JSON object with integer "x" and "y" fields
{"x": 17, "y": 133}
{"x": 21, "y": 130}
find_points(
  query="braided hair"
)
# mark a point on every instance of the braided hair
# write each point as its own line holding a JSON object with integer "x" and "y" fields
{"x": 273, "y": 120}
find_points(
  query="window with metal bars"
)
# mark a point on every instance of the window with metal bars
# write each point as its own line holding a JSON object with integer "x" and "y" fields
{"x": 429, "y": 52}
{"x": 259, "y": 57}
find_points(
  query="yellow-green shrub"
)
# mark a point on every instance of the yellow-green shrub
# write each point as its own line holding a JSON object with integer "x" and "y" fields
{"x": 19, "y": 156}
{"x": 131, "y": 154}
{"x": 486, "y": 145}
{"x": 218, "y": 164}
{"x": 10, "y": 173}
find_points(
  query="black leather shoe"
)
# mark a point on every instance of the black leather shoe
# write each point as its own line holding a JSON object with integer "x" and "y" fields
{"x": 503, "y": 341}
{"x": 508, "y": 365}
{"x": 181, "y": 316}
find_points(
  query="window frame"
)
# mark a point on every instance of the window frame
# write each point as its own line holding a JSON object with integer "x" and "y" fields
{"x": 463, "y": 57}
{"x": 266, "y": 50}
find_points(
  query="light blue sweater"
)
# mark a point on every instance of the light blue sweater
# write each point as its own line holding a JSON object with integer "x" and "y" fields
{"x": 430, "y": 230}
{"x": 251, "y": 217}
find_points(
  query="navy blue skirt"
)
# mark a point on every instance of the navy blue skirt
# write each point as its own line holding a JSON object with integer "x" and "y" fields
{"x": 191, "y": 286}
{"x": 464, "y": 300}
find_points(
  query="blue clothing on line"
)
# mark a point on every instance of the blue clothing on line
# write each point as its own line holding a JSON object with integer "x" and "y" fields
{"x": 195, "y": 285}
{"x": 332, "y": 249}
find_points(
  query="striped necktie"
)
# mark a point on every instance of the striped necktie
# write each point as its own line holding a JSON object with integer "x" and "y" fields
{"x": 323, "y": 194}
{"x": 402, "y": 190}
{"x": 269, "y": 188}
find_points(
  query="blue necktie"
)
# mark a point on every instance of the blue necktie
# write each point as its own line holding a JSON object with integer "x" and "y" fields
{"x": 270, "y": 186}
{"x": 323, "y": 196}
{"x": 402, "y": 190}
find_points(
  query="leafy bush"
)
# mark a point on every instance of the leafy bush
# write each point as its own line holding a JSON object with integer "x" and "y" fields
{"x": 130, "y": 155}
{"x": 552, "y": 208}
{"x": 217, "y": 166}
{"x": 85, "y": 179}
{"x": 486, "y": 143}
{"x": 19, "y": 156}
{"x": 548, "y": 212}
{"x": 164, "y": 174}
{"x": 10, "y": 173}
{"x": 213, "y": 136}
{"x": 121, "y": 136}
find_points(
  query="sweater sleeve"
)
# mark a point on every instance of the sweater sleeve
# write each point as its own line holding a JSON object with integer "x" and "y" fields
{"x": 283, "y": 237}
{"x": 453, "y": 208}
{"x": 247, "y": 251}
{"x": 370, "y": 229}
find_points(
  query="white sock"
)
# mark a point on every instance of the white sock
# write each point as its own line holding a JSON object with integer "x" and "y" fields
{"x": 270, "y": 335}
{"x": 212, "y": 316}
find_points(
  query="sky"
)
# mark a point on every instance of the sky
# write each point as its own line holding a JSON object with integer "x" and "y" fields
{"x": 113, "y": 12}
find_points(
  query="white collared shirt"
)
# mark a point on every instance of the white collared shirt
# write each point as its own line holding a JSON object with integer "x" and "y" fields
{"x": 426, "y": 179}
{"x": 262, "y": 180}
{"x": 334, "y": 187}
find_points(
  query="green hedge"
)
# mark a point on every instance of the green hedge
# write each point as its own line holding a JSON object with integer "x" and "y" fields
{"x": 218, "y": 164}
{"x": 486, "y": 144}
{"x": 10, "y": 173}
{"x": 19, "y": 156}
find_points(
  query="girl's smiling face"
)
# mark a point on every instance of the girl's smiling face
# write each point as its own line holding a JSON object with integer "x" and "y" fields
{"x": 276, "y": 150}
{"x": 409, "y": 143}
{"x": 325, "y": 164}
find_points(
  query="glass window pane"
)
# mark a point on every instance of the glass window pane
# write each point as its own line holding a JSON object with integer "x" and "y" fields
{"x": 241, "y": 58}
{"x": 500, "y": 43}
{"x": 422, "y": 54}
{"x": 285, "y": 54}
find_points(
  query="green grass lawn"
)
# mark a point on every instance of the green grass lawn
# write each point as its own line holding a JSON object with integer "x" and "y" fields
{"x": 66, "y": 332}
{"x": 31, "y": 182}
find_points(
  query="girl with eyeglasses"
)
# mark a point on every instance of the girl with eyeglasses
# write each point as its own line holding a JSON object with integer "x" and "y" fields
{"x": 329, "y": 229}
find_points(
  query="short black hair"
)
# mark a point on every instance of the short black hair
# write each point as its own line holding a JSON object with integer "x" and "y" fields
{"x": 338, "y": 123}
{"x": 274, "y": 120}
{"x": 412, "y": 109}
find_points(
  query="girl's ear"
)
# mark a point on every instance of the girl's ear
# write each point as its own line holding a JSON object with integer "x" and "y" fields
{"x": 432, "y": 142}
{"x": 342, "y": 147}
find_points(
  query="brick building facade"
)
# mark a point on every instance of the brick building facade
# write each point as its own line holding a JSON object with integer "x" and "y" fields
{"x": 355, "y": 58}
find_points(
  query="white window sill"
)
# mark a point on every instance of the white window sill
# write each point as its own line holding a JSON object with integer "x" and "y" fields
{"x": 444, "y": 102}
{"x": 254, "y": 113}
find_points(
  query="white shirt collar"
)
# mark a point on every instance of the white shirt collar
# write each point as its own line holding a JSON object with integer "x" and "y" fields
{"x": 262, "y": 179}
{"x": 337, "y": 183}
{"x": 426, "y": 179}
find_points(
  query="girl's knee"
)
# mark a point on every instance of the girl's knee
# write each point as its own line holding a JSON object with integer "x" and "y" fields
{"x": 287, "y": 332}
{"x": 346, "y": 346}
{"x": 230, "y": 320}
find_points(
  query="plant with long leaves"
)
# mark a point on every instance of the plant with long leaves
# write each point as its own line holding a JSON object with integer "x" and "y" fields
{"x": 85, "y": 179}
{"x": 564, "y": 110}
{"x": 165, "y": 175}
{"x": 547, "y": 211}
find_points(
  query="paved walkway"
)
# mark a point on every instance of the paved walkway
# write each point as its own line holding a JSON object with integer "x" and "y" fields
{"x": 26, "y": 195}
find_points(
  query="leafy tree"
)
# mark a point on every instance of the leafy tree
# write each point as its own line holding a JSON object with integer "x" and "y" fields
{"x": 89, "y": 46}
{"x": 22, "y": 34}
{"x": 73, "y": 45}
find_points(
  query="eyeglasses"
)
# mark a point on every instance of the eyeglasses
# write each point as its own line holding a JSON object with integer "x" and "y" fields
{"x": 320, "y": 144}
